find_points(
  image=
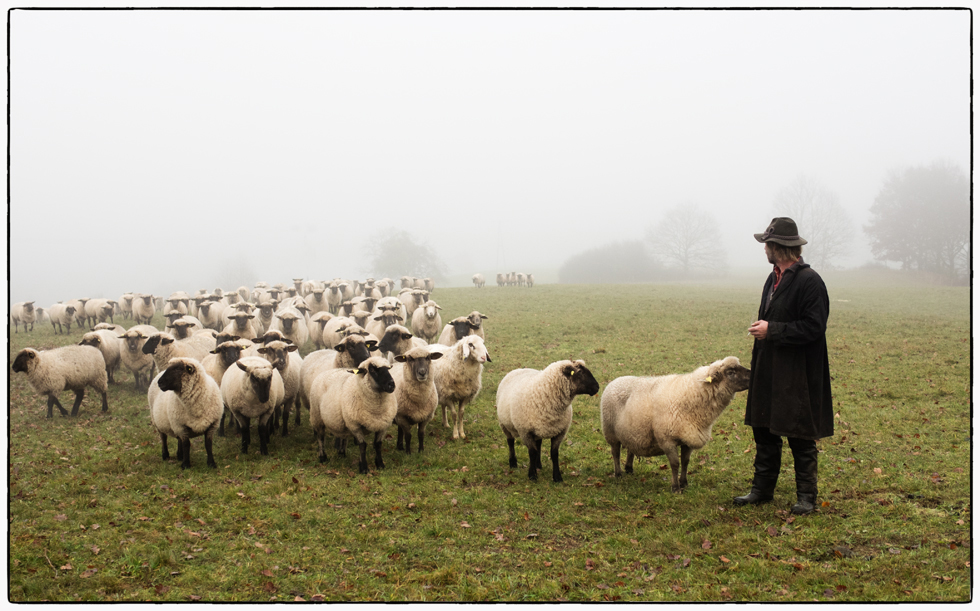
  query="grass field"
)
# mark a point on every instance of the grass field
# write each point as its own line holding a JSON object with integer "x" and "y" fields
{"x": 96, "y": 515}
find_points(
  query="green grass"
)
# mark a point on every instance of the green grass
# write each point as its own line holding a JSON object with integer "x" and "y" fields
{"x": 96, "y": 515}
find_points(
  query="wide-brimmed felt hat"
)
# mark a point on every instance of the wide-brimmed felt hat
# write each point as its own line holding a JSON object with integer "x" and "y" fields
{"x": 782, "y": 230}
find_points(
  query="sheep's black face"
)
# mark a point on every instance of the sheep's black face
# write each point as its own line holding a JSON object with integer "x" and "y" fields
{"x": 181, "y": 328}
{"x": 92, "y": 341}
{"x": 287, "y": 324}
{"x": 23, "y": 361}
{"x": 261, "y": 385}
{"x": 173, "y": 377}
{"x": 420, "y": 369}
{"x": 230, "y": 354}
{"x": 738, "y": 377}
{"x": 150, "y": 346}
{"x": 358, "y": 350}
{"x": 583, "y": 382}
{"x": 391, "y": 339}
{"x": 461, "y": 328}
{"x": 382, "y": 378}
{"x": 205, "y": 308}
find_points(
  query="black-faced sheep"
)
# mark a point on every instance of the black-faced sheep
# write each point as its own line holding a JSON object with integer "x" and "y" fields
{"x": 22, "y": 313}
{"x": 188, "y": 406}
{"x": 66, "y": 368}
{"x": 536, "y": 405}
{"x": 460, "y": 327}
{"x": 654, "y": 415}
{"x": 108, "y": 343}
{"x": 252, "y": 389}
{"x": 354, "y": 403}
{"x": 415, "y": 394}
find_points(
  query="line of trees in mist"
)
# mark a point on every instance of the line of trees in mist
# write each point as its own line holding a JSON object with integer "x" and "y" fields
{"x": 920, "y": 218}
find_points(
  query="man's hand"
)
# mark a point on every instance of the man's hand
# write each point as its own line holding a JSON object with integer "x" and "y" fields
{"x": 759, "y": 329}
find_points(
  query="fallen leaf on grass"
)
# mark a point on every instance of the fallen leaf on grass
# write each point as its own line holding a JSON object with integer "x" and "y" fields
{"x": 705, "y": 544}
{"x": 589, "y": 564}
{"x": 61, "y": 517}
{"x": 602, "y": 586}
{"x": 161, "y": 589}
{"x": 266, "y": 572}
{"x": 725, "y": 560}
{"x": 772, "y": 531}
{"x": 546, "y": 563}
{"x": 464, "y": 524}
{"x": 66, "y": 567}
{"x": 88, "y": 573}
{"x": 269, "y": 587}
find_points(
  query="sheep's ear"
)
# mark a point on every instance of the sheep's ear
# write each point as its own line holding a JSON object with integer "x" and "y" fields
{"x": 166, "y": 340}
{"x": 399, "y": 318}
{"x": 292, "y": 348}
{"x": 568, "y": 370}
{"x": 484, "y": 316}
{"x": 438, "y": 307}
{"x": 401, "y": 358}
{"x": 379, "y": 317}
{"x": 241, "y": 366}
{"x": 340, "y": 347}
{"x": 435, "y": 355}
{"x": 371, "y": 345}
{"x": 466, "y": 351}
{"x": 406, "y": 336}
{"x": 263, "y": 350}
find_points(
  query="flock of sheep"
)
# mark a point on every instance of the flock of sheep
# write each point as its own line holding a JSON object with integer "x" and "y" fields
{"x": 511, "y": 279}
{"x": 380, "y": 358}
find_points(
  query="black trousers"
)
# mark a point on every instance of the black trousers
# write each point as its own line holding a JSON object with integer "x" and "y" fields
{"x": 763, "y": 436}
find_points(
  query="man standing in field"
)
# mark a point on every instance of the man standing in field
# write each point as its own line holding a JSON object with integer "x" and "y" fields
{"x": 789, "y": 390}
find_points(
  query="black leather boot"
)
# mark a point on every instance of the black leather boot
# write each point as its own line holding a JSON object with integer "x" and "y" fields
{"x": 805, "y": 465}
{"x": 767, "y": 461}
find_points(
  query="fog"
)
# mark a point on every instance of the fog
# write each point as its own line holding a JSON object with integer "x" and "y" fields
{"x": 156, "y": 151}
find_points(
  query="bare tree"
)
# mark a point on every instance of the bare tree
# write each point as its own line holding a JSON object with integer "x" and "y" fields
{"x": 687, "y": 237}
{"x": 821, "y": 218}
{"x": 921, "y": 217}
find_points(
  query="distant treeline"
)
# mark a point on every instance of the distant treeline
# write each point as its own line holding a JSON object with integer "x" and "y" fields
{"x": 616, "y": 263}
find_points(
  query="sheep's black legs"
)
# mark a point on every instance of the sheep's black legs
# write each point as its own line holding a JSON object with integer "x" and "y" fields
{"x": 208, "y": 439}
{"x": 685, "y": 459}
{"x": 285, "y": 420}
{"x": 52, "y": 402}
{"x": 555, "y": 471}
{"x": 320, "y": 438}
{"x": 421, "y": 436}
{"x": 105, "y": 402}
{"x": 378, "y": 461}
{"x": 166, "y": 451}
{"x": 362, "y": 466}
{"x": 246, "y": 433}
{"x": 185, "y": 446}
{"x": 400, "y": 444}
{"x": 221, "y": 423}
{"x": 512, "y": 458}
{"x": 629, "y": 461}
{"x": 534, "y": 460}
{"x": 264, "y": 430}
{"x": 79, "y": 395}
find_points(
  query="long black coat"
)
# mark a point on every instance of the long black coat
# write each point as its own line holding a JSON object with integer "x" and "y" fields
{"x": 789, "y": 389}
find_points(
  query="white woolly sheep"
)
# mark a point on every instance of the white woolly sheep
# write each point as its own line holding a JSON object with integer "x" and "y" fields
{"x": 284, "y": 357}
{"x": 62, "y": 316}
{"x": 415, "y": 394}
{"x": 143, "y": 308}
{"x": 189, "y": 406}
{"x": 185, "y": 326}
{"x": 653, "y": 415}
{"x": 240, "y": 324}
{"x": 293, "y": 326}
{"x": 23, "y": 313}
{"x": 315, "y": 327}
{"x": 126, "y": 305}
{"x": 398, "y": 340}
{"x": 66, "y": 368}
{"x": 348, "y": 353}
{"x": 108, "y": 326}
{"x": 461, "y": 327}
{"x": 536, "y": 405}
{"x": 209, "y": 313}
{"x": 457, "y": 377}
{"x": 426, "y": 321}
{"x": 378, "y": 322}
{"x": 252, "y": 389}
{"x": 79, "y": 304}
{"x": 132, "y": 356}
{"x": 479, "y": 281}
{"x": 164, "y": 346}
{"x": 108, "y": 343}
{"x": 354, "y": 403}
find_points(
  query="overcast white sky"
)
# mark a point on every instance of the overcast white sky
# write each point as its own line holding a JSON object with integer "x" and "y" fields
{"x": 164, "y": 150}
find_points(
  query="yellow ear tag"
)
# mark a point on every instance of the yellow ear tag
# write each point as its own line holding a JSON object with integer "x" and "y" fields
{"x": 708, "y": 379}
{"x": 573, "y": 373}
